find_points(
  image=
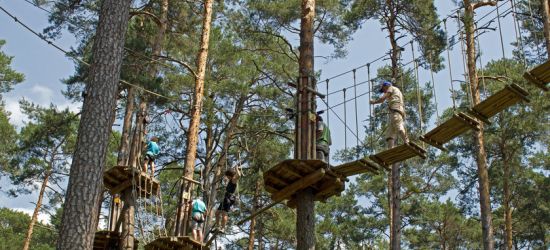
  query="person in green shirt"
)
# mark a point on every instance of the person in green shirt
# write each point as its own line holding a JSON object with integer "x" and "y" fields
{"x": 198, "y": 217}
{"x": 323, "y": 141}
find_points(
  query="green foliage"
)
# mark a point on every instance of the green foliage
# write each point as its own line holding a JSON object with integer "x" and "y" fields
{"x": 7, "y": 136}
{"x": 442, "y": 226}
{"x": 44, "y": 146}
{"x": 8, "y": 77}
{"x": 417, "y": 19}
{"x": 13, "y": 228}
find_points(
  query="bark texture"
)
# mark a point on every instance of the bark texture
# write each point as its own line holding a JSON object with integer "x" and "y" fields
{"x": 255, "y": 207}
{"x": 481, "y": 156}
{"x": 34, "y": 217}
{"x": 394, "y": 180}
{"x": 85, "y": 181}
{"x": 546, "y": 21}
{"x": 127, "y": 237}
{"x": 305, "y": 132}
{"x": 192, "y": 135}
{"x": 122, "y": 159}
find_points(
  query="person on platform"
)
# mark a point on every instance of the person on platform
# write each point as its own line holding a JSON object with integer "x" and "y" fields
{"x": 396, "y": 119}
{"x": 323, "y": 140}
{"x": 151, "y": 154}
{"x": 232, "y": 177}
{"x": 198, "y": 217}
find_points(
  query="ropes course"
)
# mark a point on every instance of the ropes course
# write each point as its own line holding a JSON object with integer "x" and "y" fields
{"x": 287, "y": 178}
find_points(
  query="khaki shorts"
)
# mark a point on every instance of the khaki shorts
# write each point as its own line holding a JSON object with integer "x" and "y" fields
{"x": 395, "y": 125}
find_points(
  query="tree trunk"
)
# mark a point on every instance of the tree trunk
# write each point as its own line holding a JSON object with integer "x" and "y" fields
{"x": 481, "y": 156}
{"x": 126, "y": 128}
{"x": 86, "y": 181}
{"x": 305, "y": 132}
{"x": 27, "y": 242}
{"x": 128, "y": 220}
{"x": 394, "y": 182}
{"x": 506, "y": 186}
{"x": 218, "y": 174}
{"x": 546, "y": 21}
{"x": 192, "y": 138}
{"x": 255, "y": 207}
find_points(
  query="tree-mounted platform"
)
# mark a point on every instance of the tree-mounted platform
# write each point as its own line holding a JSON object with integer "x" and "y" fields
{"x": 457, "y": 125}
{"x": 107, "y": 240}
{"x": 540, "y": 75}
{"x": 357, "y": 167}
{"x": 291, "y": 176}
{"x": 499, "y": 101}
{"x": 398, "y": 154}
{"x": 120, "y": 178}
{"x": 174, "y": 243}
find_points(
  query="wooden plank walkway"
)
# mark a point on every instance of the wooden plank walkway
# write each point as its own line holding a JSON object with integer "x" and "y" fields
{"x": 175, "y": 243}
{"x": 357, "y": 167}
{"x": 398, "y": 154}
{"x": 496, "y": 103}
{"x": 458, "y": 124}
{"x": 120, "y": 178}
{"x": 540, "y": 75}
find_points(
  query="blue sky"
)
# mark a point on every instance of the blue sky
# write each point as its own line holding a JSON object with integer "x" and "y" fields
{"x": 44, "y": 67}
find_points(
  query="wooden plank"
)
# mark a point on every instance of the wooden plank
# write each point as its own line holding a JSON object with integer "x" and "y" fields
{"x": 299, "y": 185}
{"x": 121, "y": 187}
{"x": 328, "y": 188}
{"x": 534, "y": 78}
{"x": 541, "y": 71}
{"x": 433, "y": 143}
{"x": 399, "y": 154}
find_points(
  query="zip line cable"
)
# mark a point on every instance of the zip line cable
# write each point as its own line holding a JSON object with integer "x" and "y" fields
{"x": 67, "y": 54}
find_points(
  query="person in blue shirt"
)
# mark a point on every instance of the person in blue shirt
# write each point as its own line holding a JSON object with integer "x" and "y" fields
{"x": 198, "y": 217}
{"x": 151, "y": 154}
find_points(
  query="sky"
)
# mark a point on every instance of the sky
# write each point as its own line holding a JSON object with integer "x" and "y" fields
{"x": 44, "y": 67}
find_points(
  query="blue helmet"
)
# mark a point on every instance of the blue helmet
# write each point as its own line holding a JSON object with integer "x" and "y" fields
{"x": 384, "y": 84}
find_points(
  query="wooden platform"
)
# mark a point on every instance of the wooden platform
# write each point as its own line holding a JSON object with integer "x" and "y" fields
{"x": 106, "y": 240}
{"x": 174, "y": 243}
{"x": 540, "y": 75}
{"x": 291, "y": 176}
{"x": 120, "y": 178}
{"x": 498, "y": 102}
{"x": 357, "y": 167}
{"x": 398, "y": 154}
{"x": 457, "y": 125}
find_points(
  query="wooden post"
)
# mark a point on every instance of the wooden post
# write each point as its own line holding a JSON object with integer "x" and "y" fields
{"x": 481, "y": 156}
{"x": 305, "y": 129}
{"x": 128, "y": 210}
{"x": 546, "y": 21}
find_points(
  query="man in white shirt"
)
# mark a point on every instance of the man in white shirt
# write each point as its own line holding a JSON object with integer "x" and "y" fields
{"x": 396, "y": 119}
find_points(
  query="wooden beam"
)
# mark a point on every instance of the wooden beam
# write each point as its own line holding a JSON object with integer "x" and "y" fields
{"x": 433, "y": 143}
{"x": 521, "y": 93}
{"x": 479, "y": 116}
{"x": 299, "y": 185}
{"x": 535, "y": 80}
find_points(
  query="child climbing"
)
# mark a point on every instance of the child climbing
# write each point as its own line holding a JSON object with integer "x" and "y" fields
{"x": 232, "y": 177}
{"x": 396, "y": 119}
{"x": 197, "y": 214}
{"x": 153, "y": 150}
{"x": 323, "y": 139}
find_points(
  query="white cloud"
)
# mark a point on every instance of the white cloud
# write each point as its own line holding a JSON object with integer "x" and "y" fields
{"x": 42, "y": 217}
{"x": 17, "y": 117}
{"x": 41, "y": 95}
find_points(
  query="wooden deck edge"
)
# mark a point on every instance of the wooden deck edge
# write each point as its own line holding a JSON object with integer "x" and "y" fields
{"x": 519, "y": 91}
{"x": 479, "y": 116}
{"x": 467, "y": 120}
{"x": 433, "y": 143}
{"x": 535, "y": 80}
{"x": 419, "y": 151}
